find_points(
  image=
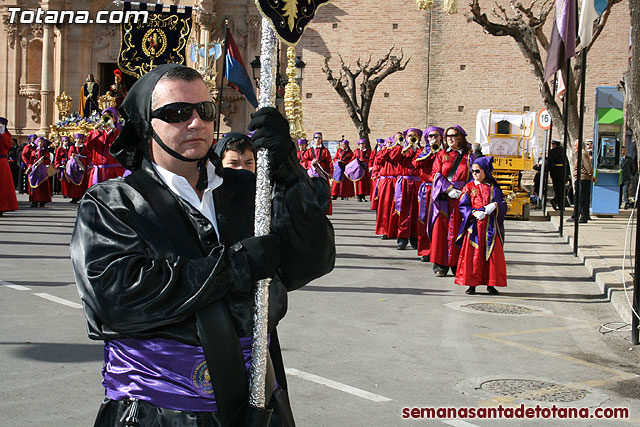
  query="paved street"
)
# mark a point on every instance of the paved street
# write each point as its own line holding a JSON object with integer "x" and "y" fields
{"x": 378, "y": 334}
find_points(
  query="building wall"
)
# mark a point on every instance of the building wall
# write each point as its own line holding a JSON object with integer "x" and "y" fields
{"x": 495, "y": 73}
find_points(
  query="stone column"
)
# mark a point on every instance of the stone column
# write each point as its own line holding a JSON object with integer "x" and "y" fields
{"x": 46, "y": 91}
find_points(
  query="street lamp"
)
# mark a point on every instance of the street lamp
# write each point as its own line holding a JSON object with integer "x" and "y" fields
{"x": 255, "y": 70}
{"x": 299, "y": 64}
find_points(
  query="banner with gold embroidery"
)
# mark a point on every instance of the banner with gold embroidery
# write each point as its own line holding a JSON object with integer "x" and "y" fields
{"x": 289, "y": 17}
{"x": 161, "y": 40}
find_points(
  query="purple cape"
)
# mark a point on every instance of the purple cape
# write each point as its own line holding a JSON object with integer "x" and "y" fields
{"x": 495, "y": 221}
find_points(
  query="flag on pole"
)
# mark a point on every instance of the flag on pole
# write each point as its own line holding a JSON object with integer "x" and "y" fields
{"x": 563, "y": 37}
{"x": 236, "y": 73}
{"x": 589, "y": 12}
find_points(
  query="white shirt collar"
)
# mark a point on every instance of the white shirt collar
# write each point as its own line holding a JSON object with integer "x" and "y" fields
{"x": 451, "y": 149}
{"x": 476, "y": 182}
{"x": 181, "y": 187}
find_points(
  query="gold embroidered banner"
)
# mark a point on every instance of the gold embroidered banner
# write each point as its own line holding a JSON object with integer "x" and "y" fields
{"x": 161, "y": 40}
{"x": 289, "y": 17}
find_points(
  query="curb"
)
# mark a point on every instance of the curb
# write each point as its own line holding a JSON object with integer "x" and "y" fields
{"x": 608, "y": 280}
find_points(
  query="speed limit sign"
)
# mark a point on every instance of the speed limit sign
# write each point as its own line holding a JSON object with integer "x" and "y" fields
{"x": 544, "y": 119}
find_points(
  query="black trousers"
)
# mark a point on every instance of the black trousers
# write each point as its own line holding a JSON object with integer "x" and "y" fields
{"x": 582, "y": 211}
{"x": 114, "y": 413}
{"x": 558, "y": 184}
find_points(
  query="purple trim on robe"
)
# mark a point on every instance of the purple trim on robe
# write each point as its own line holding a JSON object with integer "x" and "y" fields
{"x": 163, "y": 372}
{"x": 397, "y": 196}
{"x": 97, "y": 168}
{"x": 441, "y": 186}
{"x": 496, "y": 219}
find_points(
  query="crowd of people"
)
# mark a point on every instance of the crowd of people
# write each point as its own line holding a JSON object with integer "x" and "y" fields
{"x": 439, "y": 199}
{"x": 76, "y": 163}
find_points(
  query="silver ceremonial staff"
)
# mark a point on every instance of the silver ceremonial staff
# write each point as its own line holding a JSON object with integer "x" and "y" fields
{"x": 267, "y": 98}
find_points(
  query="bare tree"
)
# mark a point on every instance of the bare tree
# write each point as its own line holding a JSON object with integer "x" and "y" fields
{"x": 524, "y": 25}
{"x": 359, "y": 105}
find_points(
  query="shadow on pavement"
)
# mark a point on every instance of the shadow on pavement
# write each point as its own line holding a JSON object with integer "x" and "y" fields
{"x": 362, "y": 267}
{"x": 57, "y": 352}
{"x": 552, "y": 278}
{"x": 11, "y": 256}
{"x": 46, "y": 284}
{"x": 541, "y": 296}
{"x": 6, "y": 242}
{"x": 375, "y": 290}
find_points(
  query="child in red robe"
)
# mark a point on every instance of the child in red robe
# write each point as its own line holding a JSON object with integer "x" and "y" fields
{"x": 481, "y": 234}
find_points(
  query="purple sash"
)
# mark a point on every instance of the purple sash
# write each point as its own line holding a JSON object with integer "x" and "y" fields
{"x": 96, "y": 170}
{"x": 338, "y": 172}
{"x": 75, "y": 171}
{"x": 354, "y": 170}
{"x": 38, "y": 175}
{"x": 163, "y": 372}
{"x": 422, "y": 201}
{"x": 397, "y": 197}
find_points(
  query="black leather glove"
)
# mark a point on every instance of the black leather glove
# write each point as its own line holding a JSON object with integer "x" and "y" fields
{"x": 263, "y": 255}
{"x": 272, "y": 133}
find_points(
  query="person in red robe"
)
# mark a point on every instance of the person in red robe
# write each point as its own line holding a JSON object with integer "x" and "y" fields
{"x": 76, "y": 171}
{"x": 342, "y": 186}
{"x": 317, "y": 161}
{"x": 373, "y": 169}
{"x": 39, "y": 182}
{"x": 104, "y": 165}
{"x": 450, "y": 172}
{"x": 362, "y": 155}
{"x": 481, "y": 235}
{"x": 303, "y": 145}
{"x": 387, "y": 174}
{"x": 423, "y": 162}
{"x": 8, "y": 199}
{"x": 407, "y": 186}
{"x": 60, "y": 161}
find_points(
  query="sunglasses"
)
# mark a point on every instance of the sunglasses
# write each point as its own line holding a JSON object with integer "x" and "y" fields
{"x": 453, "y": 135}
{"x": 433, "y": 135}
{"x": 475, "y": 170}
{"x": 178, "y": 112}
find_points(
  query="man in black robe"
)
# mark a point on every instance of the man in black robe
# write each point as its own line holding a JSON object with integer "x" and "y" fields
{"x": 165, "y": 260}
{"x": 556, "y": 161}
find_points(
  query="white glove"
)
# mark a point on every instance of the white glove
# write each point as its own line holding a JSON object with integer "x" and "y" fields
{"x": 479, "y": 214}
{"x": 490, "y": 208}
{"x": 454, "y": 194}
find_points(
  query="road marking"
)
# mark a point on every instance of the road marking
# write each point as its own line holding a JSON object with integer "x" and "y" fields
{"x": 59, "y": 300}
{"x": 14, "y": 286}
{"x": 458, "y": 423}
{"x": 336, "y": 385}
